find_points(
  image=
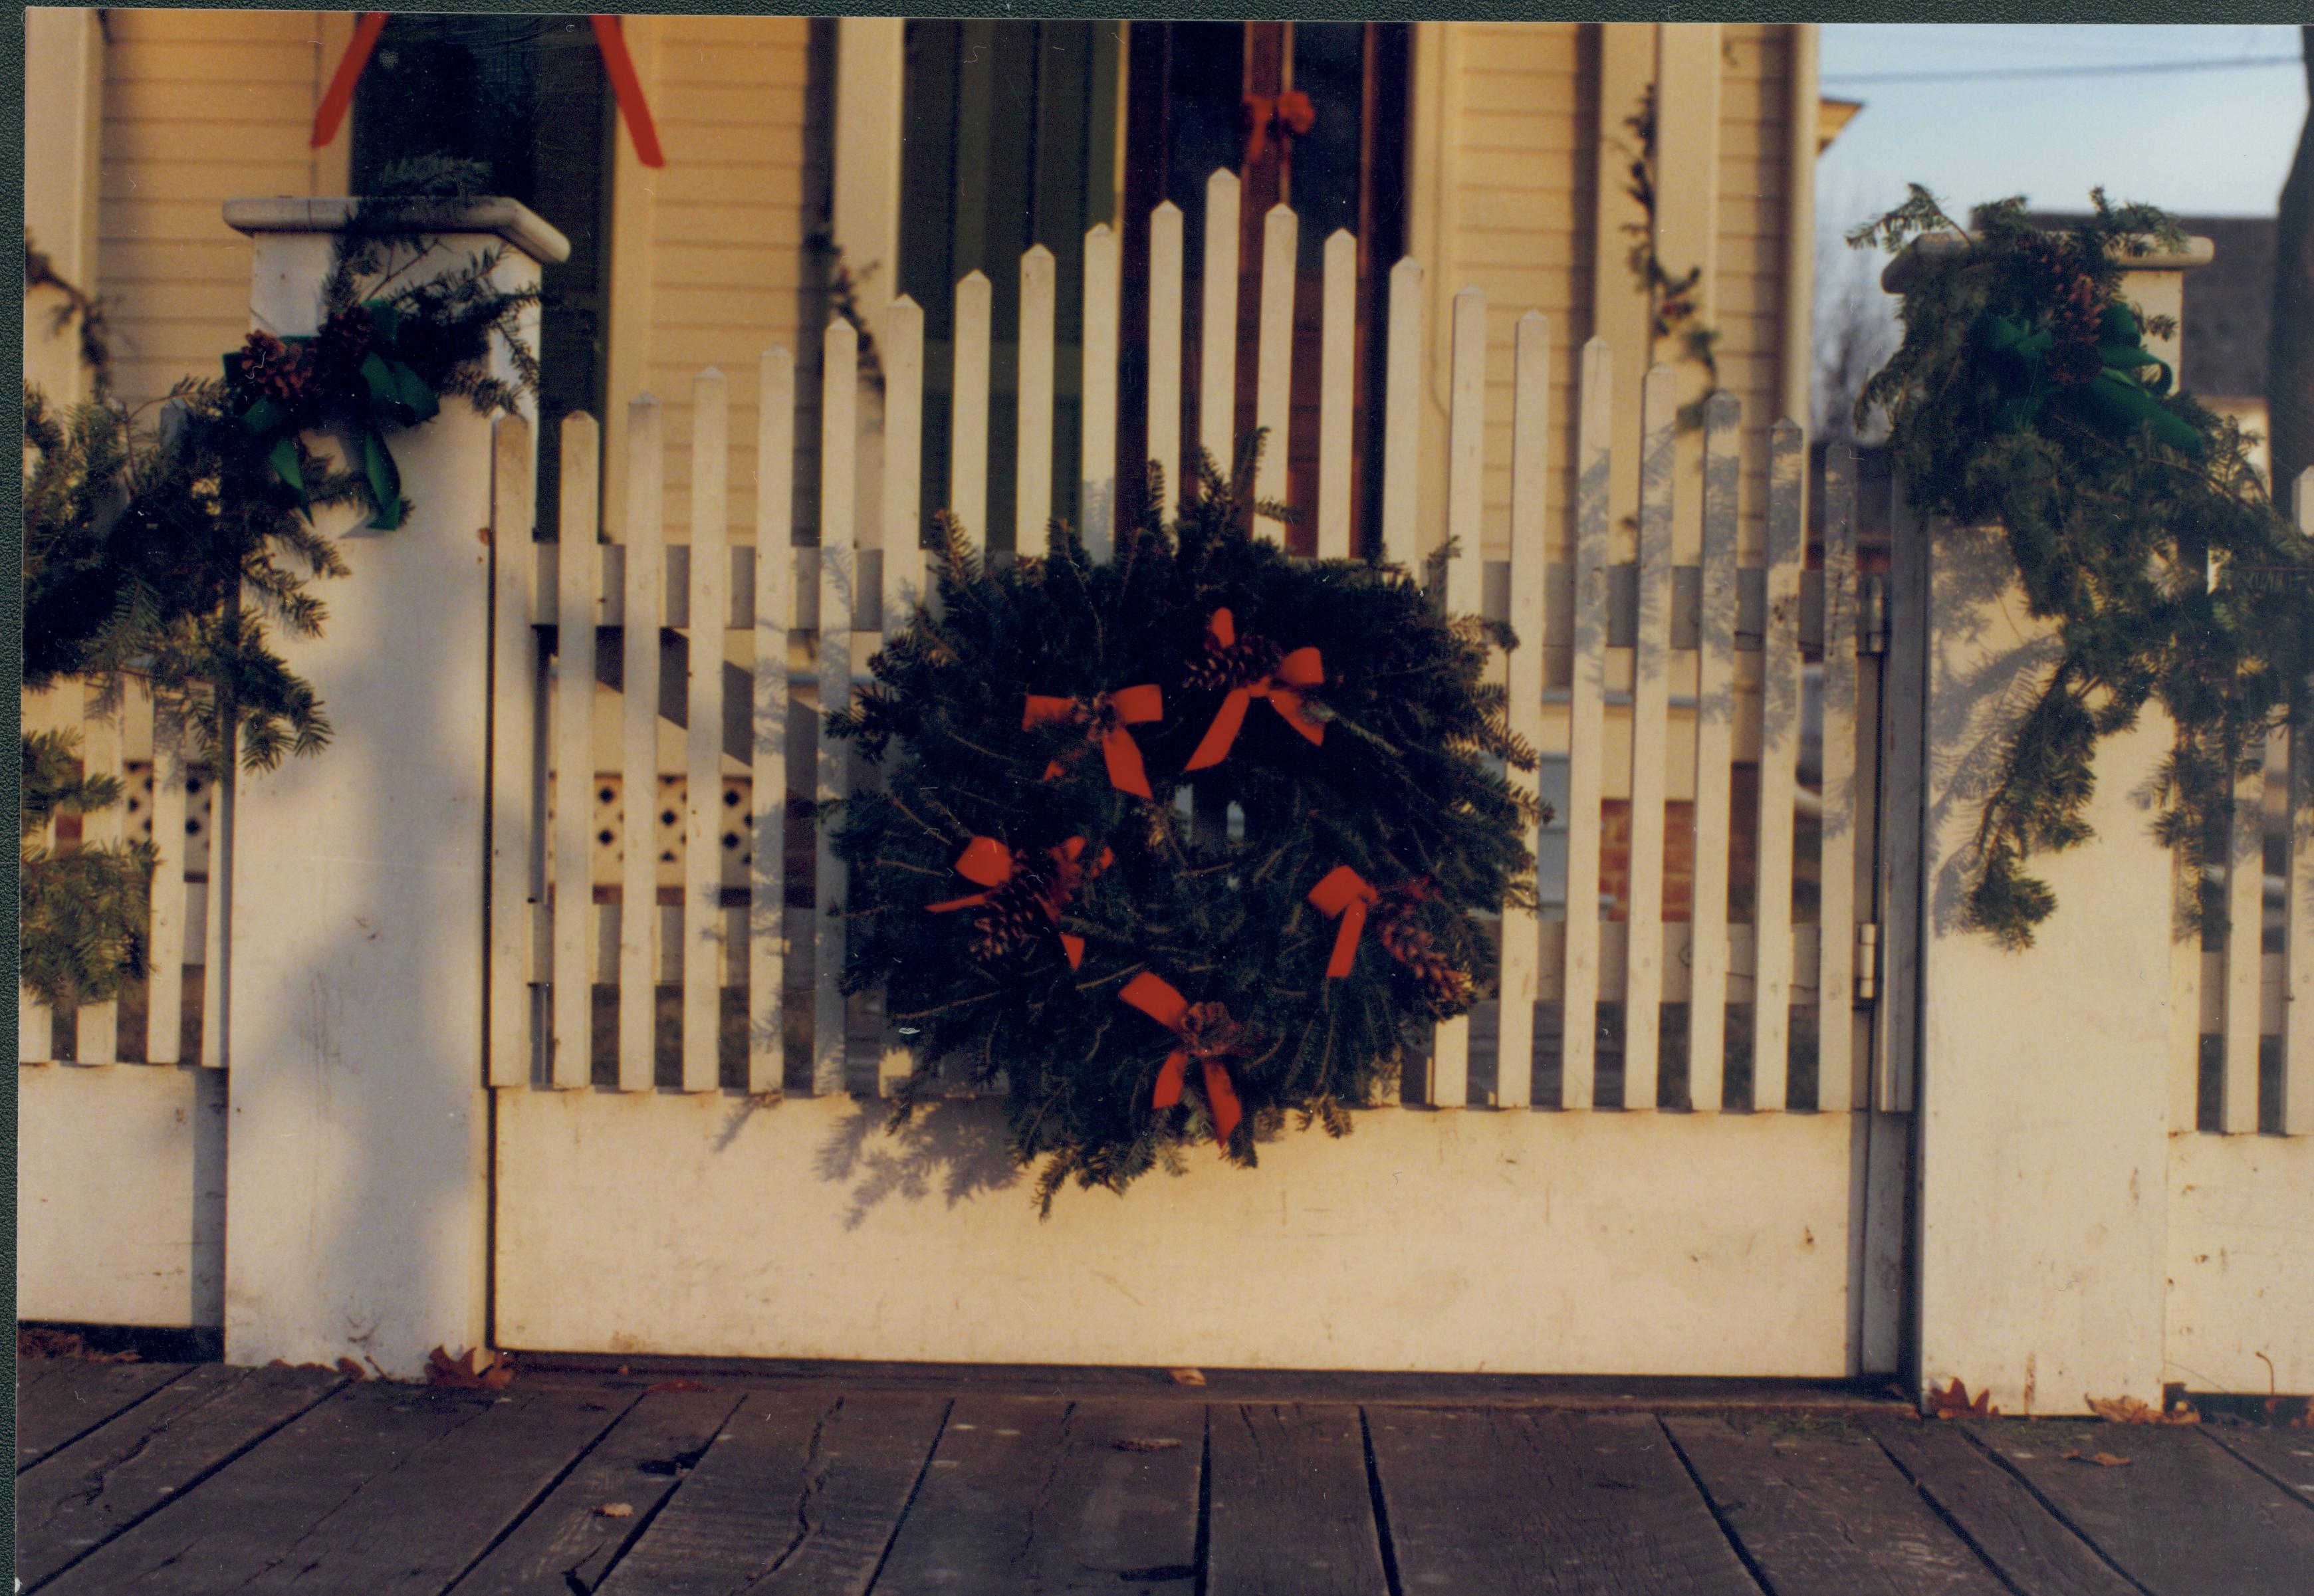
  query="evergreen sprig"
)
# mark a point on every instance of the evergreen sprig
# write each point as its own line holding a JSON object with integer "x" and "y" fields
{"x": 2022, "y": 395}
{"x": 1405, "y": 788}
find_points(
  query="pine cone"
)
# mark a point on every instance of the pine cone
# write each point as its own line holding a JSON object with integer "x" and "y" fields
{"x": 2064, "y": 292}
{"x": 270, "y": 369}
{"x": 1252, "y": 658}
{"x": 1404, "y": 937}
{"x": 345, "y": 339}
{"x": 1018, "y": 911}
{"x": 1207, "y": 1032}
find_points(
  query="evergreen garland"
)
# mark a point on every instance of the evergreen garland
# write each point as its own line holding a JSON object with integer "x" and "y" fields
{"x": 1119, "y": 952}
{"x": 2023, "y": 394}
{"x": 165, "y": 548}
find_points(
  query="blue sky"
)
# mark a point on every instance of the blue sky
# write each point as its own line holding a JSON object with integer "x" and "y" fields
{"x": 2212, "y": 142}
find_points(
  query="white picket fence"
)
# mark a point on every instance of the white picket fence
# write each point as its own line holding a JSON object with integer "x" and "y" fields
{"x": 706, "y": 846}
{"x": 177, "y": 810}
{"x": 2234, "y": 1024}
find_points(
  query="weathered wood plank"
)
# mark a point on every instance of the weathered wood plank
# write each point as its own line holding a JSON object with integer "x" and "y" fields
{"x": 1822, "y": 1511}
{"x": 1054, "y": 1496}
{"x": 2283, "y": 1456}
{"x": 1643, "y": 958}
{"x": 1272, "y": 391}
{"x": 1835, "y": 1089}
{"x": 2010, "y": 1528}
{"x": 566, "y": 1542}
{"x": 516, "y": 887}
{"x": 1715, "y": 732}
{"x": 839, "y": 573}
{"x": 968, "y": 459}
{"x": 576, "y": 573}
{"x": 417, "y": 1526}
{"x": 1165, "y": 227}
{"x": 775, "y": 596}
{"x": 1522, "y": 932}
{"x": 55, "y": 1412}
{"x": 1779, "y": 745}
{"x": 639, "y": 641}
{"x": 799, "y": 1492}
{"x": 1032, "y": 480}
{"x": 1292, "y": 1513}
{"x": 97, "y": 1034}
{"x": 702, "y": 921}
{"x": 165, "y": 991}
{"x": 1495, "y": 1501}
{"x": 2182, "y": 1518}
{"x": 1104, "y": 288}
{"x": 1217, "y": 323}
{"x": 1401, "y": 449}
{"x": 1586, "y": 722}
{"x": 1337, "y": 392}
{"x": 112, "y": 1478}
{"x": 248, "y": 1517}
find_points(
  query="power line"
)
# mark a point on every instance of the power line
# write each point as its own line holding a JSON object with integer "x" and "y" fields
{"x": 1968, "y": 74}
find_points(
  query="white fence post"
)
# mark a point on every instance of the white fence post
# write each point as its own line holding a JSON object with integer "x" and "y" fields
{"x": 2043, "y": 1077}
{"x": 358, "y": 1189}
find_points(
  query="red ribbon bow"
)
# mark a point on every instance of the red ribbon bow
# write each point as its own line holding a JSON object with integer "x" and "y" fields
{"x": 1206, "y": 1034}
{"x": 1105, "y": 718}
{"x": 992, "y": 864}
{"x": 1343, "y": 894}
{"x": 626, "y": 87}
{"x": 1289, "y": 113}
{"x": 1282, "y": 687}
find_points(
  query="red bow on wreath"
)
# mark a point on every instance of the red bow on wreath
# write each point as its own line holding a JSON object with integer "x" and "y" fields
{"x": 1287, "y": 114}
{"x": 1104, "y": 718}
{"x": 1251, "y": 668}
{"x": 1346, "y": 894}
{"x": 626, "y": 87}
{"x": 1206, "y": 1034}
{"x": 1021, "y": 887}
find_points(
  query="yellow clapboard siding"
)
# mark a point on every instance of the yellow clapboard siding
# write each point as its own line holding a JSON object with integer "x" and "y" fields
{"x": 736, "y": 105}
{"x": 220, "y": 143}
{"x": 687, "y": 65}
{"x": 758, "y": 225}
{"x": 173, "y": 101}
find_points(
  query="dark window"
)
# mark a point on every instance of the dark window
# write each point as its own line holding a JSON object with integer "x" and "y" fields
{"x": 527, "y": 97}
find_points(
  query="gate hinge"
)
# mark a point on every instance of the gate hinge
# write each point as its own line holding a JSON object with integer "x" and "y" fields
{"x": 1872, "y": 616}
{"x": 1868, "y": 963}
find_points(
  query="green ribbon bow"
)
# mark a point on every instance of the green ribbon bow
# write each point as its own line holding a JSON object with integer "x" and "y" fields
{"x": 2117, "y": 400}
{"x": 392, "y": 396}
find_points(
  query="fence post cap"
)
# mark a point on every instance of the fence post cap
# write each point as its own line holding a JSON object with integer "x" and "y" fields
{"x": 508, "y": 219}
{"x": 1903, "y": 272}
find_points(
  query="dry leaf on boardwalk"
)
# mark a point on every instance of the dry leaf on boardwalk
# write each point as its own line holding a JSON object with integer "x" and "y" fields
{"x": 1155, "y": 1443}
{"x": 1188, "y": 1377}
{"x": 2102, "y": 1459}
{"x": 476, "y": 1369}
{"x": 614, "y": 1510}
{"x": 2131, "y": 1410}
{"x": 1953, "y": 1402}
{"x": 676, "y": 1384}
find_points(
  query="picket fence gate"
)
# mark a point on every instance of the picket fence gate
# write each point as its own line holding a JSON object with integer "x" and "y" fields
{"x": 710, "y": 848}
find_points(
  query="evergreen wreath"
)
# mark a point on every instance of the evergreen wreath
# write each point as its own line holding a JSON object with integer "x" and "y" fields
{"x": 2023, "y": 394}
{"x": 1036, "y": 904}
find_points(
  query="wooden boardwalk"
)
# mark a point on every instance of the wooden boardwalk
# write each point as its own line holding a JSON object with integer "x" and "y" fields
{"x": 196, "y": 1478}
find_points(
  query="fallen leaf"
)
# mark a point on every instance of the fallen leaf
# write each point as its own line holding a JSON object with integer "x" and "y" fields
{"x": 1953, "y": 1402}
{"x": 2133, "y": 1410}
{"x": 678, "y": 1384}
{"x": 1188, "y": 1377}
{"x": 477, "y": 1369}
{"x": 351, "y": 1369}
{"x": 614, "y": 1510}
{"x": 1154, "y": 1443}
